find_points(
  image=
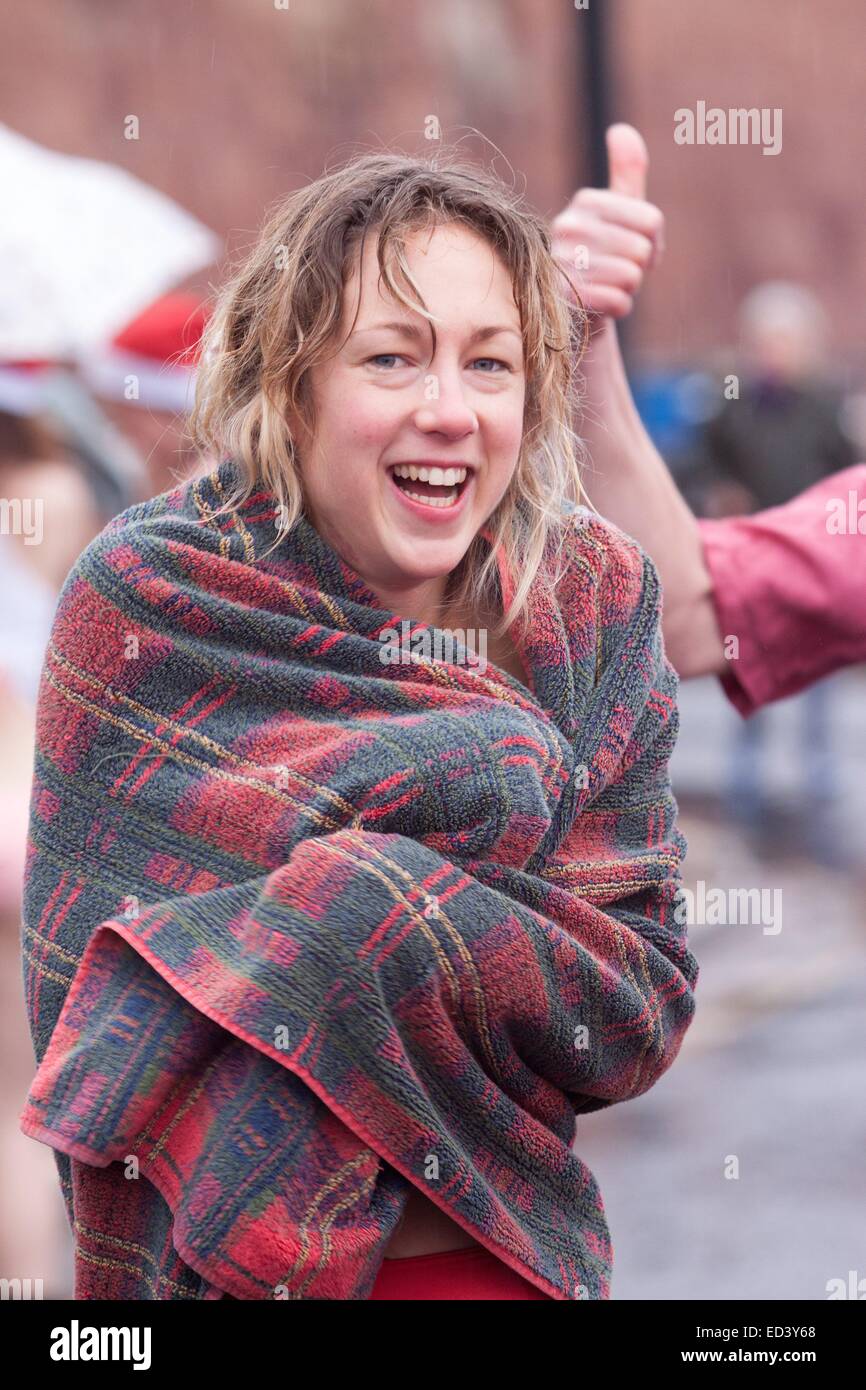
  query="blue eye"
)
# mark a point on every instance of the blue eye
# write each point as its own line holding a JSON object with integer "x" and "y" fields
{"x": 380, "y": 355}
{"x": 398, "y": 357}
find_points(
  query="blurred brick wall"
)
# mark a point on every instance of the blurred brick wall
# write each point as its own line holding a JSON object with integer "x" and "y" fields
{"x": 735, "y": 215}
{"x": 239, "y": 102}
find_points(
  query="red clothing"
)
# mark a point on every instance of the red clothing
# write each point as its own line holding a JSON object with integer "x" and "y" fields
{"x": 470, "y": 1273}
{"x": 790, "y": 584}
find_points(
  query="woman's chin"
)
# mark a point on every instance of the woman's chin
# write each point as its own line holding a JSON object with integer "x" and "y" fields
{"x": 420, "y": 562}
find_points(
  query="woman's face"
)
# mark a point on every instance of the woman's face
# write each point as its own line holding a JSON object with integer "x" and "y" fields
{"x": 386, "y": 399}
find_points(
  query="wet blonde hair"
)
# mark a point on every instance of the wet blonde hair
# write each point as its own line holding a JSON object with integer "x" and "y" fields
{"x": 280, "y": 311}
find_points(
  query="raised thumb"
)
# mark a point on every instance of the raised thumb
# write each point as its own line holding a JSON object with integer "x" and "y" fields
{"x": 627, "y": 160}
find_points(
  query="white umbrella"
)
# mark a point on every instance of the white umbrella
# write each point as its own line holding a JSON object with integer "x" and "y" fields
{"x": 84, "y": 248}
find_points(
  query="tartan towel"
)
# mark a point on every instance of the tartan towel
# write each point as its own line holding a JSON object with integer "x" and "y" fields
{"x": 303, "y": 929}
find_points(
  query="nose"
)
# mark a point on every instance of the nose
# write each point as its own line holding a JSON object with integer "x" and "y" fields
{"x": 444, "y": 408}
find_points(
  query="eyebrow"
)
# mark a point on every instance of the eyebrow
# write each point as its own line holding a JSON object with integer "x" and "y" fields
{"x": 411, "y": 330}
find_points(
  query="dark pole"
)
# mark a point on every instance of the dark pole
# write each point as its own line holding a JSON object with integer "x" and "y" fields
{"x": 596, "y": 99}
{"x": 595, "y": 80}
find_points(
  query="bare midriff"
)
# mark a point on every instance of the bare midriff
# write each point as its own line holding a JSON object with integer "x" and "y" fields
{"x": 425, "y": 1230}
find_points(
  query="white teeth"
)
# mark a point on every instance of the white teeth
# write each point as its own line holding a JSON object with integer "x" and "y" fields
{"x": 446, "y": 477}
{"x": 432, "y": 501}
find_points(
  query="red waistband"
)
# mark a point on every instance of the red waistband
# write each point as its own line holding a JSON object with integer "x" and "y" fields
{"x": 470, "y": 1273}
{"x": 468, "y": 1252}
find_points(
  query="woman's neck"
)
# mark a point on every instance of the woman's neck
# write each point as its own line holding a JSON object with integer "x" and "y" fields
{"x": 426, "y": 603}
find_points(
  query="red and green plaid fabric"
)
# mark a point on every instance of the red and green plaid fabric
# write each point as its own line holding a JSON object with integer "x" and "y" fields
{"x": 303, "y": 929}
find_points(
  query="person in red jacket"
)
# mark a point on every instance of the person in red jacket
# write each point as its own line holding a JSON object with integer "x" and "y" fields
{"x": 791, "y": 581}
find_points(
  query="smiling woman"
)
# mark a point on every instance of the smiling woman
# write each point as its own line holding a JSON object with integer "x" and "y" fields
{"x": 328, "y": 953}
{"x": 470, "y": 417}
{"x": 402, "y": 314}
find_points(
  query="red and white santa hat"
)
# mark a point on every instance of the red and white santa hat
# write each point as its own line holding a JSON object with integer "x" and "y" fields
{"x": 152, "y": 361}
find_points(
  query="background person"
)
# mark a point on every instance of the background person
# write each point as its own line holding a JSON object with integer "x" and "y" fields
{"x": 777, "y": 432}
{"x": 40, "y": 481}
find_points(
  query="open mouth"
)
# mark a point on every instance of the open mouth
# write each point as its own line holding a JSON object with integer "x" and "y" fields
{"x": 415, "y": 484}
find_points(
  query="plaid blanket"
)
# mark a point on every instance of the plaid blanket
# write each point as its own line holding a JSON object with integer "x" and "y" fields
{"x": 304, "y": 928}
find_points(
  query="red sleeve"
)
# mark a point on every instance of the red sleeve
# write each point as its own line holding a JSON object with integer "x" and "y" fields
{"x": 790, "y": 584}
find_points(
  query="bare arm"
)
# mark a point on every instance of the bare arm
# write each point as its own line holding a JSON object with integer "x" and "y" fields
{"x": 629, "y": 483}
{"x": 605, "y": 241}
{"x": 785, "y": 585}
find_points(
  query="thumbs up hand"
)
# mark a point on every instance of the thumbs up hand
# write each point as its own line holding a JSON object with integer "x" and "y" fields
{"x": 607, "y": 238}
